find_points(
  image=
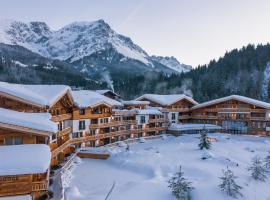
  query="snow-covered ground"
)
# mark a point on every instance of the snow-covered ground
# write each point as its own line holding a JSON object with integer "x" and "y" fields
{"x": 143, "y": 172}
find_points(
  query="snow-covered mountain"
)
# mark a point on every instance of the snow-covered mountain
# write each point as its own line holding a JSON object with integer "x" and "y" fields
{"x": 90, "y": 46}
{"x": 172, "y": 63}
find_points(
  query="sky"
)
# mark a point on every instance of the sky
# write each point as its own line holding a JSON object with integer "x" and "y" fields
{"x": 193, "y": 31}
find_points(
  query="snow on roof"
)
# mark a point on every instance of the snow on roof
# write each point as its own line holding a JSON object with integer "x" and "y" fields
{"x": 166, "y": 100}
{"x": 24, "y": 159}
{"x": 148, "y": 112}
{"x": 234, "y": 97}
{"x": 105, "y": 91}
{"x": 134, "y": 102}
{"x": 20, "y": 197}
{"x": 124, "y": 112}
{"x": 86, "y": 98}
{"x": 37, "y": 121}
{"x": 41, "y": 95}
{"x": 184, "y": 127}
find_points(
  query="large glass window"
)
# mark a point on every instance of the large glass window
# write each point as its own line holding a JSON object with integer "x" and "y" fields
{"x": 13, "y": 141}
{"x": 18, "y": 140}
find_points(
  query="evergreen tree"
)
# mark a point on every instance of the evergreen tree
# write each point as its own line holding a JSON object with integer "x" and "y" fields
{"x": 180, "y": 187}
{"x": 228, "y": 184}
{"x": 257, "y": 169}
{"x": 204, "y": 142}
{"x": 127, "y": 147}
{"x": 267, "y": 162}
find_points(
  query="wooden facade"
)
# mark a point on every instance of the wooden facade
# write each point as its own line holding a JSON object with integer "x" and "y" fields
{"x": 34, "y": 184}
{"x": 234, "y": 116}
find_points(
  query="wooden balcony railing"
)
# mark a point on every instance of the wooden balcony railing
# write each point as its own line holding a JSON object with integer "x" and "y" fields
{"x": 184, "y": 117}
{"x": 233, "y": 110}
{"x": 72, "y": 141}
{"x": 58, "y": 118}
{"x": 112, "y": 123}
{"x": 258, "y": 119}
{"x": 64, "y": 131}
{"x": 53, "y": 146}
{"x": 156, "y": 120}
{"x": 37, "y": 186}
{"x": 175, "y": 109}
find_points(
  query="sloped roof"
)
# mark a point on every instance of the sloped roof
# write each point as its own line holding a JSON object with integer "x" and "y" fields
{"x": 234, "y": 97}
{"x": 24, "y": 159}
{"x": 36, "y": 121}
{"x": 39, "y": 95}
{"x": 166, "y": 100}
{"x": 105, "y": 91}
{"x": 134, "y": 102}
{"x": 150, "y": 111}
{"x": 88, "y": 98}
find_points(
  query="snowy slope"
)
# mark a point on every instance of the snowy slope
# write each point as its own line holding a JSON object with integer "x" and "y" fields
{"x": 172, "y": 63}
{"x": 79, "y": 40}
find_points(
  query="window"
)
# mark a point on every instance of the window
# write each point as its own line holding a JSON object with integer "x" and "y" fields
{"x": 173, "y": 116}
{"x": 9, "y": 141}
{"x": 13, "y": 141}
{"x": 142, "y": 119}
{"x": 77, "y": 134}
{"x": 82, "y": 111}
{"x": 17, "y": 140}
{"x": 81, "y": 125}
{"x": 92, "y": 132}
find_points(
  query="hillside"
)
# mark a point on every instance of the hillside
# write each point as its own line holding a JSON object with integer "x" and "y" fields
{"x": 19, "y": 65}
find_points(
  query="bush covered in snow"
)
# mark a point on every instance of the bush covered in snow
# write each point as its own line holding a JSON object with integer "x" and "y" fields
{"x": 180, "y": 187}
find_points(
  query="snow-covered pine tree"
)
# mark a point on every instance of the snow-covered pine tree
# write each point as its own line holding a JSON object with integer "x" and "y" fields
{"x": 257, "y": 169}
{"x": 180, "y": 187}
{"x": 228, "y": 184}
{"x": 267, "y": 162}
{"x": 204, "y": 142}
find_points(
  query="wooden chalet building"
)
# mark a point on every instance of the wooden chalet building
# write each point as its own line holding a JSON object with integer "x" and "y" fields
{"x": 176, "y": 107}
{"x": 53, "y": 99}
{"x": 235, "y": 114}
{"x": 24, "y": 152}
{"x": 93, "y": 119}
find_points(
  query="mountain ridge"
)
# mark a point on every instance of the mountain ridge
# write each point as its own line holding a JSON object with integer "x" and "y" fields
{"x": 77, "y": 41}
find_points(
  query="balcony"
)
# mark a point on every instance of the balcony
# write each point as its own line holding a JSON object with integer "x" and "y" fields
{"x": 99, "y": 115}
{"x": 156, "y": 120}
{"x": 258, "y": 119}
{"x": 184, "y": 117}
{"x": 53, "y": 146}
{"x": 64, "y": 132}
{"x": 233, "y": 110}
{"x": 58, "y": 118}
{"x": 112, "y": 123}
{"x": 38, "y": 186}
{"x": 175, "y": 110}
